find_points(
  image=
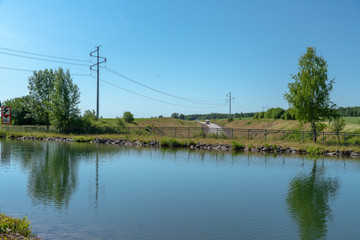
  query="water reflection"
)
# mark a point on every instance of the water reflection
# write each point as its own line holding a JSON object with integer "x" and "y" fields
{"x": 308, "y": 201}
{"x": 5, "y": 154}
{"x": 53, "y": 177}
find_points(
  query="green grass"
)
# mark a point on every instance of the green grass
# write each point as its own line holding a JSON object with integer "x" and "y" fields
{"x": 16, "y": 225}
{"x": 83, "y": 138}
{"x": 314, "y": 150}
{"x": 352, "y": 120}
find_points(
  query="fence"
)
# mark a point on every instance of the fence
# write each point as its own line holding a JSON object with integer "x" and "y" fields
{"x": 198, "y": 132}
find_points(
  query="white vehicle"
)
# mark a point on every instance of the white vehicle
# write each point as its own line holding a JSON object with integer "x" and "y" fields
{"x": 207, "y": 121}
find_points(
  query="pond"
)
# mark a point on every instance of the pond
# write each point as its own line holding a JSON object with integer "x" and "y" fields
{"x": 88, "y": 191}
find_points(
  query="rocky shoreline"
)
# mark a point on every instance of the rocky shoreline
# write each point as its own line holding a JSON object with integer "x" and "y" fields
{"x": 199, "y": 146}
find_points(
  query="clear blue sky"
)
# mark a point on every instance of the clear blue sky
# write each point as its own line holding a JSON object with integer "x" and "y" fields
{"x": 195, "y": 50}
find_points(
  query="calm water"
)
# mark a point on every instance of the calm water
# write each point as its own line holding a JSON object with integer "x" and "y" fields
{"x": 84, "y": 191}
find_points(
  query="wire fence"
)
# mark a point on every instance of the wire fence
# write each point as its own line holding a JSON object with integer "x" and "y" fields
{"x": 205, "y": 132}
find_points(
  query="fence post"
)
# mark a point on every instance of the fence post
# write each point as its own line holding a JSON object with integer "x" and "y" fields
{"x": 188, "y": 132}
{"x": 323, "y": 137}
{"x": 248, "y": 133}
{"x": 344, "y": 138}
{"x": 265, "y": 133}
{"x": 302, "y": 138}
{"x": 175, "y": 131}
{"x": 232, "y": 133}
{"x": 283, "y": 136}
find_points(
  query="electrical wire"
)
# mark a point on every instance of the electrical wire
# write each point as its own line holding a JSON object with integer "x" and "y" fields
{"x": 237, "y": 104}
{"x": 156, "y": 90}
{"x": 43, "y": 55}
{"x": 154, "y": 99}
{"x": 42, "y": 59}
{"x": 28, "y": 70}
{"x": 15, "y": 69}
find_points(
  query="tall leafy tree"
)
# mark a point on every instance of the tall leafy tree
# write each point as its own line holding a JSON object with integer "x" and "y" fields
{"x": 64, "y": 101}
{"x": 41, "y": 86}
{"x": 309, "y": 95}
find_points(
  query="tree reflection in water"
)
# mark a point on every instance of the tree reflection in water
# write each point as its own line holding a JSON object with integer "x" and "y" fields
{"x": 308, "y": 201}
{"x": 53, "y": 178}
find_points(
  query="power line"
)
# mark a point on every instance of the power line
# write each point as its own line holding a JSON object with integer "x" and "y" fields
{"x": 239, "y": 105}
{"x": 43, "y": 55}
{"x": 42, "y": 59}
{"x": 154, "y": 99}
{"x": 156, "y": 90}
{"x": 16, "y": 69}
{"x": 28, "y": 70}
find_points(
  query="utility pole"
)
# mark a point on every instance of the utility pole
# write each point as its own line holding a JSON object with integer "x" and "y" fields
{"x": 97, "y": 73}
{"x": 229, "y": 101}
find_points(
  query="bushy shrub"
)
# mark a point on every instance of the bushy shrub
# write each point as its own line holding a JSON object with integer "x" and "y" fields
{"x": 259, "y": 115}
{"x": 274, "y": 113}
{"x": 128, "y": 117}
{"x": 237, "y": 146}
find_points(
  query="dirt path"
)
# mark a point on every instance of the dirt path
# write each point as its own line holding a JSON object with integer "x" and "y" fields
{"x": 211, "y": 127}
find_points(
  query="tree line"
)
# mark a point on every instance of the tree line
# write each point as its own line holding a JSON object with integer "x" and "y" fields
{"x": 191, "y": 117}
{"x": 52, "y": 99}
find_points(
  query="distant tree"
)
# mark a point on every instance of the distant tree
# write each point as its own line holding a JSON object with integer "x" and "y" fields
{"x": 309, "y": 95}
{"x": 41, "y": 86}
{"x": 259, "y": 115}
{"x": 274, "y": 113}
{"x": 88, "y": 119}
{"x": 21, "y": 110}
{"x": 128, "y": 117}
{"x": 90, "y": 114}
{"x": 175, "y": 115}
{"x": 182, "y": 116}
{"x": 338, "y": 125}
{"x": 289, "y": 114}
{"x": 161, "y": 116}
{"x": 64, "y": 101}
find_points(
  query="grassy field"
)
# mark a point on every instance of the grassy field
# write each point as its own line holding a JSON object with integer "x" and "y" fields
{"x": 352, "y": 124}
{"x": 156, "y": 122}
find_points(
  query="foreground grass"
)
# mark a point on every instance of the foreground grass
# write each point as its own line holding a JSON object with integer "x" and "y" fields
{"x": 12, "y": 226}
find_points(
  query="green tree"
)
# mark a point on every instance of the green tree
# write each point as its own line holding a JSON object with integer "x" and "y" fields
{"x": 337, "y": 126}
{"x": 128, "y": 117}
{"x": 41, "y": 86}
{"x": 21, "y": 110}
{"x": 309, "y": 95}
{"x": 175, "y": 115}
{"x": 182, "y": 116}
{"x": 64, "y": 101}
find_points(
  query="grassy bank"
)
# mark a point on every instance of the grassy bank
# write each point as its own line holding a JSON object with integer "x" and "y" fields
{"x": 256, "y": 140}
{"x": 185, "y": 142}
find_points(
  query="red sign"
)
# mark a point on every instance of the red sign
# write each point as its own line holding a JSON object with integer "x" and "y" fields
{"x": 5, "y": 115}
